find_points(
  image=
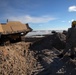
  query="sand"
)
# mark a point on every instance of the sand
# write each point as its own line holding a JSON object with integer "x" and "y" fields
{"x": 36, "y": 58}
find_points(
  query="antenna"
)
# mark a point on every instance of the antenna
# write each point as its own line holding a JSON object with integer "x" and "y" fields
{"x": 7, "y": 20}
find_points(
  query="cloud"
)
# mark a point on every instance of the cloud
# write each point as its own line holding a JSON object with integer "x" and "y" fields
{"x": 31, "y": 19}
{"x": 68, "y": 21}
{"x": 71, "y": 20}
{"x": 63, "y": 21}
{"x": 72, "y": 8}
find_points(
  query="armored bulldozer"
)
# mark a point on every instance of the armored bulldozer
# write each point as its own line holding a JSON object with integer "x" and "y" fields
{"x": 12, "y": 31}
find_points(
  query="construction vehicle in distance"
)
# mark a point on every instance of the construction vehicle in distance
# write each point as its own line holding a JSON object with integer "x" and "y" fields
{"x": 12, "y": 31}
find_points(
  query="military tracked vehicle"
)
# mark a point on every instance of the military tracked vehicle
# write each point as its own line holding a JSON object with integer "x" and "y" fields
{"x": 12, "y": 31}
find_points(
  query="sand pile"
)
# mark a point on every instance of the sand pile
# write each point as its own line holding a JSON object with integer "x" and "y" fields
{"x": 56, "y": 40}
{"x": 38, "y": 58}
{"x": 47, "y": 50}
{"x": 16, "y": 59}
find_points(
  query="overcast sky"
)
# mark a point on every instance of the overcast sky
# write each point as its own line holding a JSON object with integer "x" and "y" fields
{"x": 40, "y": 14}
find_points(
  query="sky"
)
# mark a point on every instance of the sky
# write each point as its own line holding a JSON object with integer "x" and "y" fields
{"x": 39, "y": 14}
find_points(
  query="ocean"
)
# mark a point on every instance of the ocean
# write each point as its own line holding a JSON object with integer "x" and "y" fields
{"x": 41, "y": 32}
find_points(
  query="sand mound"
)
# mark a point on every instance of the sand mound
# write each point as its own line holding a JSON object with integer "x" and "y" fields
{"x": 16, "y": 59}
{"x": 38, "y": 58}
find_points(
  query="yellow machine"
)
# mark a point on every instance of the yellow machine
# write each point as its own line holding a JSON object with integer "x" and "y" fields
{"x": 73, "y": 23}
{"x": 13, "y": 30}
